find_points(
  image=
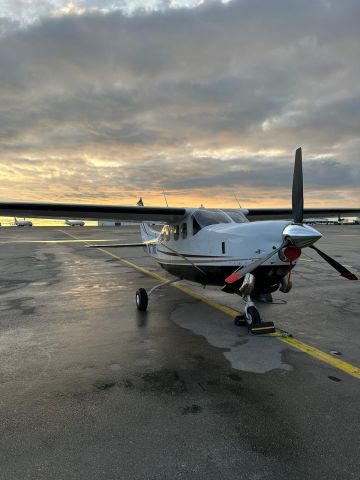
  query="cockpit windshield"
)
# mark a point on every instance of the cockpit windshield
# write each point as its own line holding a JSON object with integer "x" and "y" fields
{"x": 237, "y": 217}
{"x": 204, "y": 217}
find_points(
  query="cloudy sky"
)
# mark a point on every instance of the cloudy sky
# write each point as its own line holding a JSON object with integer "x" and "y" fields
{"x": 104, "y": 100}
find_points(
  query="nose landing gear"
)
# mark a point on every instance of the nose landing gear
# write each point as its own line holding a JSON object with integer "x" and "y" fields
{"x": 251, "y": 317}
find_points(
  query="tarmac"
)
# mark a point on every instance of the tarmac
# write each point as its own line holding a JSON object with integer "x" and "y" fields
{"x": 90, "y": 388}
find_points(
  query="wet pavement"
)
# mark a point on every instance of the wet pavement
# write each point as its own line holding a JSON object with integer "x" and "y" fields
{"x": 91, "y": 388}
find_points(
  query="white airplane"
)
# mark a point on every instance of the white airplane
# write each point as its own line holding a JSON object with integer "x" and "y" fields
{"x": 22, "y": 223}
{"x": 75, "y": 223}
{"x": 217, "y": 247}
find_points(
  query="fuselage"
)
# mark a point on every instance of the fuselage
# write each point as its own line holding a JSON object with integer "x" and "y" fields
{"x": 208, "y": 253}
{"x": 23, "y": 223}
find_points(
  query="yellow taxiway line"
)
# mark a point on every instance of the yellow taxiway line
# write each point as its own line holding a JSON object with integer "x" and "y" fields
{"x": 297, "y": 344}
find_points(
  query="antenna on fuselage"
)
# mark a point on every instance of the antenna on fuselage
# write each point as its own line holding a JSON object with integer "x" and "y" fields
{"x": 236, "y": 198}
{"x": 165, "y": 198}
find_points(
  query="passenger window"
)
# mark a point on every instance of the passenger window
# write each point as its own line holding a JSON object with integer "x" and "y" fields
{"x": 176, "y": 232}
{"x": 183, "y": 230}
{"x": 163, "y": 233}
{"x": 167, "y": 233}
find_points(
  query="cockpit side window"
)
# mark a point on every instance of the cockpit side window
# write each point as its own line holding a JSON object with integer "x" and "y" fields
{"x": 196, "y": 226}
{"x": 165, "y": 233}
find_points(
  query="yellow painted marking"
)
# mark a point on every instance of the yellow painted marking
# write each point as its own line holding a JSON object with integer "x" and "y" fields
{"x": 324, "y": 357}
{"x": 297, "y": 344}
{"x": 261, "y": 328}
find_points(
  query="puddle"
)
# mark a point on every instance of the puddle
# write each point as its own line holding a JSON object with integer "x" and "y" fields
{"x": 256, "y": 354}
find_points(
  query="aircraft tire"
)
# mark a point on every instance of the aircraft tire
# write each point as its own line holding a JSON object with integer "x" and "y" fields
{"x": 141, "y": 299}
{"x": 253, "y": 316}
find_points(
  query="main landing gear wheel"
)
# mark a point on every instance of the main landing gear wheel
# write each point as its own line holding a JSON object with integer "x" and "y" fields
{"x": 141, "y": 299}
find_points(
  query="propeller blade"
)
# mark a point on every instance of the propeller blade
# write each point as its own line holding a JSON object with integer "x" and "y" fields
{"x": 298, "y": 189}
{"x": 243, "y": 270}
{"x": 344, "y": 272}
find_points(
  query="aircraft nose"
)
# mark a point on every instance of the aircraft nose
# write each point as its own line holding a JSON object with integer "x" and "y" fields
{"x": 301, "y": 235}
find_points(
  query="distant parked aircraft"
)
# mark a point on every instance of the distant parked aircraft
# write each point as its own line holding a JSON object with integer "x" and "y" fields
{"x": 319, "y": 221}
{"x": 22, "y": 223}
{"x": 75, "y": 223}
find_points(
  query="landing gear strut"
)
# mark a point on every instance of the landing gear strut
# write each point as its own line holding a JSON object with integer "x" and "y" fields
{"x": 251, "y": 317}
{"x": 142, "y": 296}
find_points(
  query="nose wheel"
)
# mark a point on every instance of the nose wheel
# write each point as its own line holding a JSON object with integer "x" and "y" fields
{"x": 252, "y": 320}
{"x": 251, "y": 317}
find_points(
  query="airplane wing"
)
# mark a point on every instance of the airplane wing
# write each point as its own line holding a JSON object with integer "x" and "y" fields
{"x": 117, "y": 245}
{"x": 92, "y": 212}
{"x": 150, "y": 214}
{"x": 286, "y": 213}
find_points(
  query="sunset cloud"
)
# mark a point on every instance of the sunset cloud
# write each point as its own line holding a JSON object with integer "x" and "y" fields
{"x": 100, "y": 102}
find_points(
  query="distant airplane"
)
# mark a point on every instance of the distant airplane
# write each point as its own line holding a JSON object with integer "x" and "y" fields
{"x": 75, "y": 223}
{"x": 319, "y": 221}
{"x": 22, "y": 223}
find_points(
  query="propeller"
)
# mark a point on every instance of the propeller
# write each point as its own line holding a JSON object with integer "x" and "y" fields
{"x": 298, "y": 215}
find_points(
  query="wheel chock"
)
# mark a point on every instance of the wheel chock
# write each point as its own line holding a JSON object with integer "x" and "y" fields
{"x": 240, "y": 321}
{"x": 262, "y": 328}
